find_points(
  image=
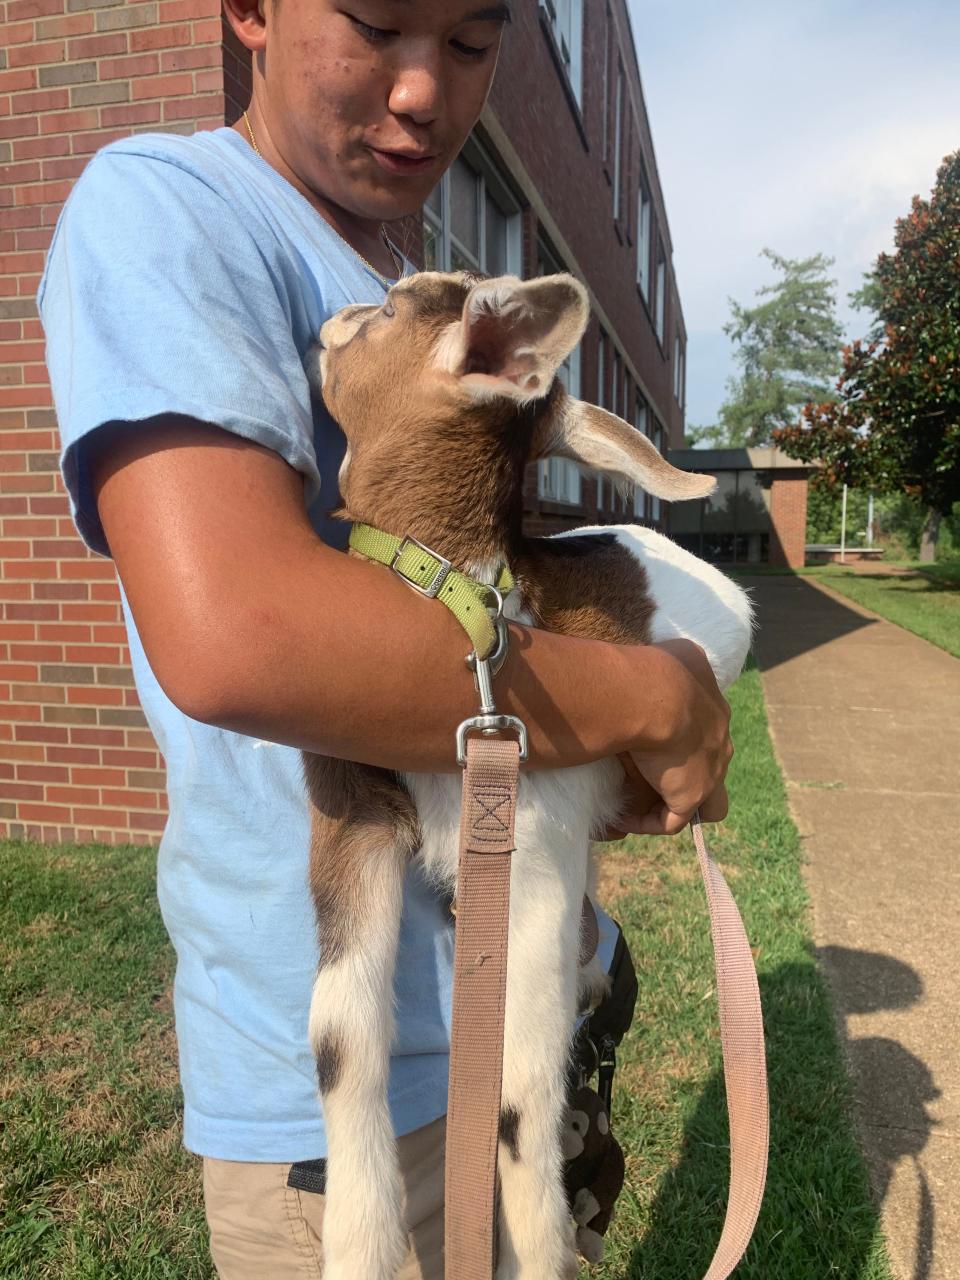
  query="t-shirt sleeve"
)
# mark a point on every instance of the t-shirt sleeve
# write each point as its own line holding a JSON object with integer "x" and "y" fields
{"x": 158, "y": 297}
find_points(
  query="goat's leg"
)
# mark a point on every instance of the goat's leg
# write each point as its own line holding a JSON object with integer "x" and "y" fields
{"x": 536, "y": 1232}
{"x": 351, "y": 1029}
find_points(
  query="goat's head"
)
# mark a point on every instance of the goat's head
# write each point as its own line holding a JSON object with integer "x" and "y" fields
{"x": 449, "y": 387}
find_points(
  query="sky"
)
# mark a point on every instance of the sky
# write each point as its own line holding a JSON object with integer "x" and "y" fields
{"x": 805, "y": 127}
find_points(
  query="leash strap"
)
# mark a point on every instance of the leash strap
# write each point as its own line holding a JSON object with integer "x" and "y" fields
{"x": 744, "y": 1064}
{"x": 487, "y": 818}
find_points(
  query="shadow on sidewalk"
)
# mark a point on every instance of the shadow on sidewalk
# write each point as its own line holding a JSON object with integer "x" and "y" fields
{"x": 818, "y": 1218}
{"x": 793, "y": 617}
{"x": 892, "y": 1085}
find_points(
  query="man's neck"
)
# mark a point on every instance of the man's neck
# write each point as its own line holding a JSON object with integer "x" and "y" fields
{"x": 363, "y": 235}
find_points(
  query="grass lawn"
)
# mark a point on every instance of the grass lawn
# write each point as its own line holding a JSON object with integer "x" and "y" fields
{"x": 923, "y": 600}
{"x": 97, "y": 1186}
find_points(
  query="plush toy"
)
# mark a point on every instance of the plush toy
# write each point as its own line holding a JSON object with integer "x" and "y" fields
{"x": 594, "y": 1170}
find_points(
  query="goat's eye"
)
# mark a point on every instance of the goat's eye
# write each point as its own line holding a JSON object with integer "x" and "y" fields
{"x": 388, "y": 309}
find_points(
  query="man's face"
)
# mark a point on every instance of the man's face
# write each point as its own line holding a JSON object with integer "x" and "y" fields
{"x": 347, "y": 78}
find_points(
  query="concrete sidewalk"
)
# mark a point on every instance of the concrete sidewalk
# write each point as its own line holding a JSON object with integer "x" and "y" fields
{"x": 865, "y": 719}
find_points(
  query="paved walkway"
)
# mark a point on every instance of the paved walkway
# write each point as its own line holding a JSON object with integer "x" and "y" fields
{"x": 865, "y": 719}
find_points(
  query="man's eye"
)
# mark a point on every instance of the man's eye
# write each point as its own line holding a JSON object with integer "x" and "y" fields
{"x": 377, "y": 35}
{"x": 374, "y": 34}
{"x": 469, "y": 51}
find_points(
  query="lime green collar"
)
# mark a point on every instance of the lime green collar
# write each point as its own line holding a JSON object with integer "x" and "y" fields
{"x": 430, "y": 574}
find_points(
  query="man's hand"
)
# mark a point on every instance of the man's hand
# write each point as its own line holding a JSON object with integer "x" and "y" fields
{"x": 669, "y": 783}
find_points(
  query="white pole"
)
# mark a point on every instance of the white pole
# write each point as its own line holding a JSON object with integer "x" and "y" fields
{"x": 843, "y": 527}
{"x": 870, "y": 521}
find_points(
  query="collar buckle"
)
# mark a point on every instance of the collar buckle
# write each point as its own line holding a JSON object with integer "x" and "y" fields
{"x": 432, "y": 588}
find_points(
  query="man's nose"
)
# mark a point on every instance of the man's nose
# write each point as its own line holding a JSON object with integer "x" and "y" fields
{"x": 418, "y": 88}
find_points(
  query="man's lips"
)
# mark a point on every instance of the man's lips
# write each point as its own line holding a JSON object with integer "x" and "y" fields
{"x": 400, "y": 162}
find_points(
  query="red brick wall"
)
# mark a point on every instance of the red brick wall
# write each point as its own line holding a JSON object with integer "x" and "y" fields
{"x": 788, "y": 518}
{"x": 77, "y": 761}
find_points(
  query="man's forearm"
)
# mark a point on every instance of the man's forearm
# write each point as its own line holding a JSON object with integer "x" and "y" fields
{"x": 336, "y": 655}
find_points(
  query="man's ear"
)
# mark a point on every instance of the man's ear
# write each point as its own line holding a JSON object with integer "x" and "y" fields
{"x": 514, "y": 334}
{"x": 603, "y": 442}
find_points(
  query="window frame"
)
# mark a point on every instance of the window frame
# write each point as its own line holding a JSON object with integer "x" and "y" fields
{"x": 569, "y": 51}
{"x": 559, "y": 479}
{"x": 490, "y": 181}
{"x": 660, "y": 302}
{"x": 618, "y": 144}
{"x": 641, "y": 416}
{"x": 680, "y": 371}
{"x": 644, "y": 238}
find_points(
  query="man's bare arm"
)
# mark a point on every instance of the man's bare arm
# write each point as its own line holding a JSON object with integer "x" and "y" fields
{"x": 250, "y": 622}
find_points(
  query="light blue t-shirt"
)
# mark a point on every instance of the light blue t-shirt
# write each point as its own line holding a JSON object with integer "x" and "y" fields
{"x": 185, "y": 275}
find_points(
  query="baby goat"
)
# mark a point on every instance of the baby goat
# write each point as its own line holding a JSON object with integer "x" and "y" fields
{"x": 445, "y": 392}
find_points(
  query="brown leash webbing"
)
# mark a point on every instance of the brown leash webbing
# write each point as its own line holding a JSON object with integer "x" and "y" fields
{"x": 487, "y": 816}
{"x": 490, "y": 785}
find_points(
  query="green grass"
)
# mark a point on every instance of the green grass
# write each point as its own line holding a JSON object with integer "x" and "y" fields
{"x": 942, "y": 570}
{"x": 97, "y": 1186}
{"x": 817, "y": 1218}
{"x": 94, "y": 1183}
{"x": 925, "y": 601}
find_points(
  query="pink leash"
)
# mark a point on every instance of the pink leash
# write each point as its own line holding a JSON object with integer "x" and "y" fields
{"x": 744, "y": 1064}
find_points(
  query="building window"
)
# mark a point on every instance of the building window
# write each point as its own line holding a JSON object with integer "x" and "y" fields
{"x": 732, "y": 525}
{"x": 661, "y": 295}
{"x": 641, "y": 416}
{"x": 558, "y": 479}
{"x": 617, "y": 383}
{"x": 601, "y": 400}
{"x": 566, "y": 22}
{"x": 657, "y": 438}
{"x": 471, "y": 221}
{"x": 679, "y": 372}
{"x": 606, "y": 83}
{"x": 643, "y": 242}
{"x": 617, "y": 141}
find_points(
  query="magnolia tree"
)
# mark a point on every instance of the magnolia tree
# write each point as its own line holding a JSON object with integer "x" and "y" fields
{"x": 895, "y": 426}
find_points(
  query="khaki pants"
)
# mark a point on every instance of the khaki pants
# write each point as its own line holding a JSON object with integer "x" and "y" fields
{"x": 261, "y": 1229}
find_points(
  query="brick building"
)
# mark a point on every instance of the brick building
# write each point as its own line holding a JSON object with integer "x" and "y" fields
{"x": 560, "y": 174}
{"x": 758, "y": 513}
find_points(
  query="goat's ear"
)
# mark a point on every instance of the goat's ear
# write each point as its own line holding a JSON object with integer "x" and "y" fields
{"x": 514, "y": 334}
{"x": 603, "y": 442}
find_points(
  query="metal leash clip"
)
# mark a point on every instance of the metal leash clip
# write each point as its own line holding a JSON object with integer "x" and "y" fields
{"x": 489, "y": 722}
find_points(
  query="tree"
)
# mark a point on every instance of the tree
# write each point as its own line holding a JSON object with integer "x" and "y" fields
{"x": 895, "y": 426}
{"x": 787, "y": 346}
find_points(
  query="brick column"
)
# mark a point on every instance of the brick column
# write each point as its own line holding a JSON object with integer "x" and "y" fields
{"x": 788, "y": 518}
{"x": 77, "y": 761}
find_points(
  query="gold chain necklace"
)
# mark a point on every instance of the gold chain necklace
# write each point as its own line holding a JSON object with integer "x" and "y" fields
{"x": 398, "y": 265}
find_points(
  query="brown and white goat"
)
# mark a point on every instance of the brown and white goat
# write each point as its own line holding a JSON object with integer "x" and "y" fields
{"x": 445, "y": 392}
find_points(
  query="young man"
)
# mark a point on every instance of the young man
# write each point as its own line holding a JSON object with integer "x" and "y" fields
{"x": 186, "y": 280}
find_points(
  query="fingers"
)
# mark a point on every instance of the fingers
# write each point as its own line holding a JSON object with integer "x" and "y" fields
{"x": 716, "y": 807}
{"x": 663, "y": 821}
